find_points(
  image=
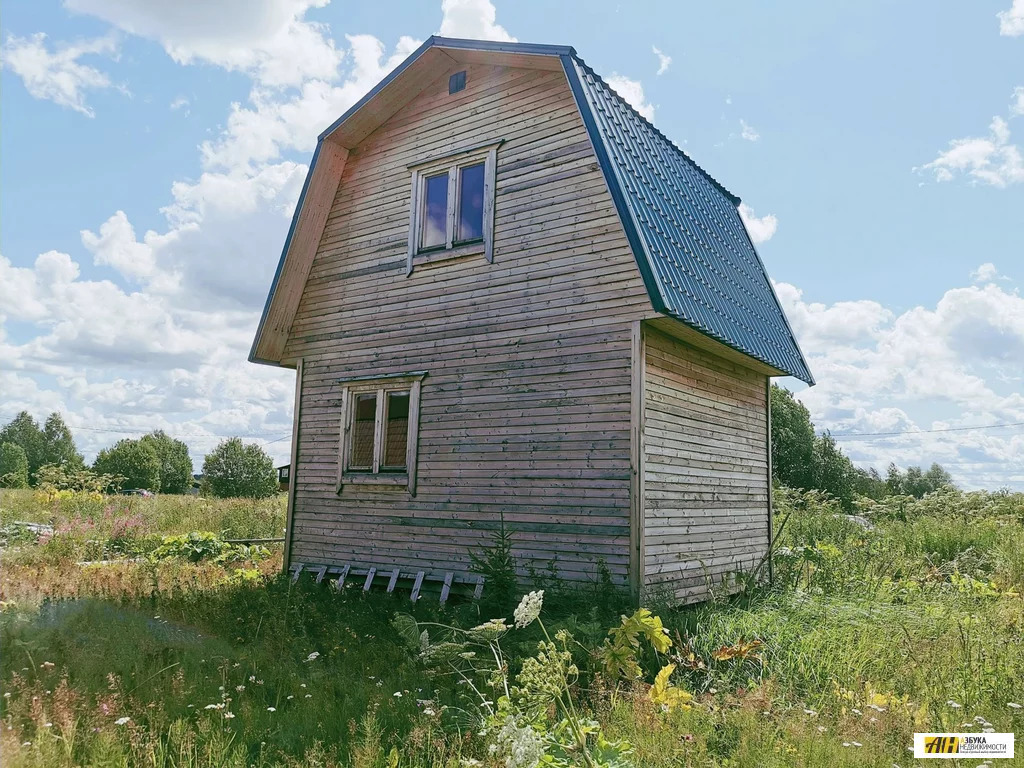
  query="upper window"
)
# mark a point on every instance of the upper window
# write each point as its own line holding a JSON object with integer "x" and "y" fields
{"x": 453, "y": 206}
{"x": 379, "y": 428}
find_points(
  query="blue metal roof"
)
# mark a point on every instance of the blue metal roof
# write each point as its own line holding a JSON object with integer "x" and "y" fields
{"x": 696, "y": 258}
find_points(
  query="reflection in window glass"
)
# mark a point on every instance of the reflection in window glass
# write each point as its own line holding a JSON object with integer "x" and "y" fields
{"x": 435, "y": 211}
{"x": 396, "y": 431}
{"x": 362, "y": 431}
{"x": 471, "y": 203}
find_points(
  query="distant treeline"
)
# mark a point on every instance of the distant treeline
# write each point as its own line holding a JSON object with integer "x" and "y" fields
{"x": 809, "y": 461}
{"x": 155, "y": 462}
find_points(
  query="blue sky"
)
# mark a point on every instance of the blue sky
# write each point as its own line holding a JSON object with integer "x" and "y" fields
{"x": 150, "y": 156}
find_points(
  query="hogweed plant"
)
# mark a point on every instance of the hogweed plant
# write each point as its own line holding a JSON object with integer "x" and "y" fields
{"x": 532, "y": 718}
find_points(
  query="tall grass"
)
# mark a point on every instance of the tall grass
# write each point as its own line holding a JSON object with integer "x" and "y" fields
{"x": 866, "y": 636}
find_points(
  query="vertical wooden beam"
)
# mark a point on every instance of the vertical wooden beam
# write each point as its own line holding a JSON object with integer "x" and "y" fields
{"x": 294, "y": 472}
{"x": 768, "y": 452}
{"x": 636, "y": 461}
{"x": 413, "y": 436}
{"x": 415, "y": 594}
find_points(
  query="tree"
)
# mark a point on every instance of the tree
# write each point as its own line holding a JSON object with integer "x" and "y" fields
{"x": 13, "y": 466}
{"x": 833, "y": 470}
{"x": 792, "y": 440}
{"x": 867, "y": 482}
{"x": 58, "y": 444}
{"x": 916, "y": 482}
{"x": 236, "y": 470}
{"x": 24, "y": 431}
{"x": 175, "y": 463}
{"x": 133, "y": 460}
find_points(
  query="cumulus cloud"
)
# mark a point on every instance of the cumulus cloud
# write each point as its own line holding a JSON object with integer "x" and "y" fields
{"x": 633, "y": 92}
{"x": 986, "y": 273}
{"x": 1011, "y": 21}
{"x": 474, "y": 19}
{"x": 876, "y": 369}
{"x": 664, "y": 62}
{"x": 760, "y": 229}
{"x": 988, "y": 159}
{"x": 1017, "y": 101}
{"x": 268, "y": 39}
{"x": 57, "y": 74}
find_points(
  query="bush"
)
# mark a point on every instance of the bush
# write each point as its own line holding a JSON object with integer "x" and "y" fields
{"x": 133, "y": 460}
{"x": 233, "y": 469}
{"x": 204, "y": 545}
{"x": 175, "y": 463}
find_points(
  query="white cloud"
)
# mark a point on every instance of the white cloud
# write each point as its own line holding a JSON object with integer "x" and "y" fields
{"x": 1017, "y": 101}
{"x": 874, "y": 368}
{"x": 473, "y": 19}
{"x": 760, "y": 229}
{"x": 1011, "y": 21}
{"x": 988, "y": 159}
{"x": 180, "y": 103}
{"x": 633, "y": 92}
{"x": 58, "y": 75}
{"x": 664, "y": 62}
{"x": 268, "y": 39}
{"x": 748, "y": 132}
{"x": 985, "y": 273}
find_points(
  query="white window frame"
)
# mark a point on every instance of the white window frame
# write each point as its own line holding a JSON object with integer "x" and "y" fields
{"x": 380, "y": 386}
{"x": 451, "y": 164}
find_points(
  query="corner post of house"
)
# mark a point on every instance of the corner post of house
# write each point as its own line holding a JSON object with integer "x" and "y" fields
{"x": 636, "y": 462}
{"x": 293, "y": 478}
{"x": 768, "y": 456}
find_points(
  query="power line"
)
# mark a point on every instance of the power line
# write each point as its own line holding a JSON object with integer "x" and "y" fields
{"x": 858, "y": 435}
{"x": 136, "y": 431}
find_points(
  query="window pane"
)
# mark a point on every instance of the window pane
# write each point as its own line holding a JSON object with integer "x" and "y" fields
{"x": 397, "y": 432}
{"x": 435, "y": 211}
{"x": 471, "y": 203}
{"x": 362, "y": 431}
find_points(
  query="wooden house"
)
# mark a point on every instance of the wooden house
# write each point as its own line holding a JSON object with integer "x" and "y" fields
{"x": 508, "y": 296}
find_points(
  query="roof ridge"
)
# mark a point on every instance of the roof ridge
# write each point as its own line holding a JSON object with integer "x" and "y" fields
{"x": 721, "y": 187}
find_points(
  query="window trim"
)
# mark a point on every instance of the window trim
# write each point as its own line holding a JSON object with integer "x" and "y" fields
{"x": 486, "y": 153}
{"x": 379, "y": 385}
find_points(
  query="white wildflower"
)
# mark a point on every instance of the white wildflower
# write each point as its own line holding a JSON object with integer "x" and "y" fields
{"x": 309, "y": 695}
{"x": 429, "y": 712}
{"x": 290, "y": 698}
{"x": 988, "y": 730}
{"x": 397, "y": 694}
{"x": 856, "y": 711}
{"x": 529, "y": 609}
{"x": 47, "y": 725}
{"x": 810, "y": 712}
{"x": 214, "y": 706}
{"x": 313, "y": 656}
{"x": 271, "y": 709}
{"x": 953, "y": 704}
{"x": 239, "y": 688}
{"x": 252, "y": 678}
{"x": 876, "y": 708}
{"x": 302, "y": 685}
{"x": 26, "y": 743}
{"x": 522, "y": 747}
{"x": 122, "y": 721}
{"x": 1013, "y": 705}
{"x": 229, "y": 715}
{"x": 857, "y": 744}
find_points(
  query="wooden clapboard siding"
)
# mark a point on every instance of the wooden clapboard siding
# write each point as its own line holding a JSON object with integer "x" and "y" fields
{"x": 526, "y": 405}
{"x": 705, "y": 468}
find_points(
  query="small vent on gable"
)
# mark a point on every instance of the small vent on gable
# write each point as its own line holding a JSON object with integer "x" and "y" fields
{"x": 457, "y": 82}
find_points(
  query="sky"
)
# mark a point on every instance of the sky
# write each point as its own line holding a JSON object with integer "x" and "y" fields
{"x": 151, "y": 155}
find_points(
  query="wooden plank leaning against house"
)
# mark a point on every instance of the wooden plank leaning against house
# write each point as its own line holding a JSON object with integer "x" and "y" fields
{"x": 526, "y": 409}
{"x": 706, "y": 511}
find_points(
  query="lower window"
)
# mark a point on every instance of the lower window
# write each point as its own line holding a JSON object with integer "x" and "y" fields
{"x": 379, "y": 429}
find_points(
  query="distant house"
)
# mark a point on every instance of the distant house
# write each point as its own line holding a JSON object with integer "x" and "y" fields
{"x": 197, "y": 483}
{"x": 283, "y": 476}
{"x": 508, "y": 296}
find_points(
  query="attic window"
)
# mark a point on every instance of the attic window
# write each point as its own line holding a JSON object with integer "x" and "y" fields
{"x": 452, "y": 211}
{"x": 457, "y": 82}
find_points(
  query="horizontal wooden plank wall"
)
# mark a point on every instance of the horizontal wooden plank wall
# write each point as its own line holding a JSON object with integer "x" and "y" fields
{"x": 526, "y": 405}
{"x": 705, "y": 469}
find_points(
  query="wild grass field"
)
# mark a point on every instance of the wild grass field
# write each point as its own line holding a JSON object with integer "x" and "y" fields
{"x": 166, "y": 649}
